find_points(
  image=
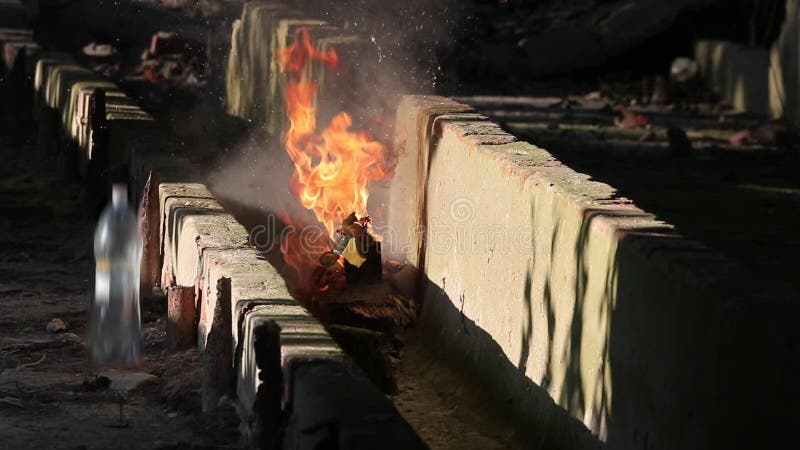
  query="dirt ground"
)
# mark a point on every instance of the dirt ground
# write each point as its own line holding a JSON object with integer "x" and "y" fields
{"x": 50, "y": 395}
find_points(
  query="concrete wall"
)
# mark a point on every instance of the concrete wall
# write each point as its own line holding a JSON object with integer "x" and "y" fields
{"x": 275, "y": 351}
{"x": 740, "y": 75}
{"x": 255, "y": 83}
{"x": 266, "y": 350}
{"x": 581, "y": 318}
{"x": 784, "y": 67}
{"x": 757, "y": 80}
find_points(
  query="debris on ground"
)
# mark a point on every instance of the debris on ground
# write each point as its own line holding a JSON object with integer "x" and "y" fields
{"x": 629, "y": 120}
{"x": 56, "y": 325}
{"x": 170, "y": 62}
{"x": 125, "y": 381}
{"x": 683, "y": 69}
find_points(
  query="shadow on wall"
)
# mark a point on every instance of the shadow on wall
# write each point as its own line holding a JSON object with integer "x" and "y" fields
{"x": 680, "y": 366}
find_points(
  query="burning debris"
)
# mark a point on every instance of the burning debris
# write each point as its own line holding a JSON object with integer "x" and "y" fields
{"x": 358, "y": 249}
{"x": 332, "y": 169}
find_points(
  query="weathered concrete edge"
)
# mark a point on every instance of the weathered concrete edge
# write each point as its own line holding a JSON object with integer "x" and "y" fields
{"x": 258, "y": 297}
{"x": 719, "y": 285}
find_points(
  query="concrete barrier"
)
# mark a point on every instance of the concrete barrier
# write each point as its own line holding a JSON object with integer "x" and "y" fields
{"x": 238, "y": 296}
{"x": 248, "y": 65}
{"x": 784, "y": 67}
{"x": 568, "y": 306}
{"x": 758, "y": 80}
{"x": 66, "y": 87}
{"x": 737, "y": 73}
{"x": 250, "y": 326}
{"x": 255, "y": 82}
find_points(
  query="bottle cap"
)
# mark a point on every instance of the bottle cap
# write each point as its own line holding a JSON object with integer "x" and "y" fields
{"x": 119, "y": 194}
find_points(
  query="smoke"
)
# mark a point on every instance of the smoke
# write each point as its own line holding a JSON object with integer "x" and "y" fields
{"x": 411, "y": 38}
{"x": 394, "y": 53}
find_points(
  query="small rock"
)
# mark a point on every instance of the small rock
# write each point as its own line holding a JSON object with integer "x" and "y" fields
{"x": 683, "y": 70}
{"x": 124, "y": 382}
{"x": 56, "y": 325}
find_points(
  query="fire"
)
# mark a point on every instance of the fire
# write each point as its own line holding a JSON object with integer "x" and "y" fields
{"x": 333, "y": 166}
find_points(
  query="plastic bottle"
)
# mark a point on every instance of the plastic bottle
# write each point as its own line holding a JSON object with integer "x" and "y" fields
{"x": 115, "y": 336}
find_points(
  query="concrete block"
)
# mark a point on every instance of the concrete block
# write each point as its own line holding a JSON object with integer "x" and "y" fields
{"x": 197, "y": 231}
{"x": 755, "y": 79}
{"x": 75, "y": 117}
{"x": 283, "y": 34}
{"x": 172, "y": 198}
{"x": 536, "y": 285}
{"x": 147, "y": 156}
{"x": 252, "y": 278}
{"x": 233, "y": 71}
{"x": 784, "y": 67}
{"x": 191, "y": 221}
{"x": 87, "y": 123}
{"x": 59, "y": 80}
{"x": 246, "y": 93}
{"x": 274, "y": 335}
{"x": 333, "y": 404}
{"x": 414, "y": 125}
{"x": 44, "y": 62}
{"x": 122, "y": 128}
{"x": 355, "y": 86}
{"x": 201, "y": 231}
{"x": 737, "y": 73}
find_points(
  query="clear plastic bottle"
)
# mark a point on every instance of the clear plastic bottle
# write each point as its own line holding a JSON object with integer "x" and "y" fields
{"x": 115, "y": 336}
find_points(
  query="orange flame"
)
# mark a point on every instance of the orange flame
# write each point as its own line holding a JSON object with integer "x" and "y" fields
{"x": 334, "y": 166}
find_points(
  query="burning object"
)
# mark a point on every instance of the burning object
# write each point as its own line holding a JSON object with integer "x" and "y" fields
{"x": 332, "y": 166}
{"x": 332, "y": 170}
{"x": 358, "y": 249}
